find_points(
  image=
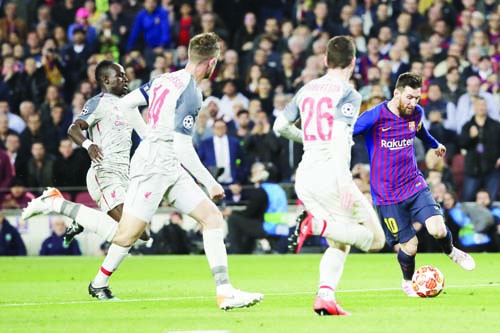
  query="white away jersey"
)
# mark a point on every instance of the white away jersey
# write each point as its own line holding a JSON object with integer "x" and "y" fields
{"x": 328, "y": 108}
{"x": 174, "y": 102}
{"x": 108, "y": 129}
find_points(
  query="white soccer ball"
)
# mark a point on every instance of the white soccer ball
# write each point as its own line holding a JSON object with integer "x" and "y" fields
{"x": 428, "y": 281}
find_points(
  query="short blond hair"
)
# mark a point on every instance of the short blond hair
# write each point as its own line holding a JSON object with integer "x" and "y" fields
{"x": 203, "y": 47}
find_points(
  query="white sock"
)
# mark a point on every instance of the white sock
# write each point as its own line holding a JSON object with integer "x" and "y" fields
{"x": 215, "y": 250}
{"x": 115, "y": 256}
{"x": 97, "y": 222}
{"x": 91, "y": 219}
{"x": 330, "y": 270}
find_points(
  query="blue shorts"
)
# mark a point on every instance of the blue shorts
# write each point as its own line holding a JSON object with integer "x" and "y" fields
{"x": 398, "y": 219}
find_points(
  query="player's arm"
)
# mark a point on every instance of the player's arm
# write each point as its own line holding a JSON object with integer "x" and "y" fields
{"x": 285, "y": 124}
{"x": 129, "y": 104}
{"x": 366, "y": 121}
{"x": 430, "y": 141}
{"x": 88, "y": 117}
{"x": 347, "y": 113}
{"x": 185, "y": 113}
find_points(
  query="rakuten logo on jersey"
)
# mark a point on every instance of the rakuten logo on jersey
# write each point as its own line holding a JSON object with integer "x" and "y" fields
{"x": 396, "y": 144}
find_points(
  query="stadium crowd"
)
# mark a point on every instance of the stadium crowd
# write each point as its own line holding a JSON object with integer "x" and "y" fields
{"x": 50, "y": 49}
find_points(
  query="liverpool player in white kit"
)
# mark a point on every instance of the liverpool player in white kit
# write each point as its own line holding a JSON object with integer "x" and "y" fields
{"x": 328, "y": 108}
{"x": 110, "y": 131}
{"x": 174, "y": 101}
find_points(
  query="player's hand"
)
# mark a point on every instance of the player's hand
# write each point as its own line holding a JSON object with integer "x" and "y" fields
{"x": 95, "y": 153}
{"x": 440, "y": 151}
{"x": 217, "y": 192}
{"x": 346, "y": 198}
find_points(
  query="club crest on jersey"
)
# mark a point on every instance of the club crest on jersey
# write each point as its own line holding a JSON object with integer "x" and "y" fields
{"x": 188, "y": 122}
{"x": 347, "y": 110}
{"x": 85, "y": 110}
{"x": 411, "y": 126}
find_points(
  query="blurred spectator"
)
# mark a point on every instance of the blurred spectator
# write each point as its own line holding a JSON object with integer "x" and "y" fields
{"x": 230, "y": 97}
{"x": 262, "y": 144}
{"x": 70, "y": 166}
{"x": 109, "y": 41}
{"x": 465, "y": 110}
{"x": 4, "y": 129}
{"x": 11, "y": 77}
{"x": 16, "y": 123}
{"x": 481, "y": 138}
{"x": 462, "y": 220}
{"x": 26, "y": 109}
{"x": 11, "y": 243}
{"x": 171, "y": 238}
{"x": 34, "y": 82}
{"x": 120, "y": 23}
{"x": 370, "y": 59}
{"x": 243, "y": 41}
{"x": 11, "y": 22}
{"x": 18, "y": 198}
{"x": 437, "y": 164}
{"x": 287, "y": 74}
{"x": 18, "y": 161}
{"x": 63, "y": 13}
{"x": 265, "y": 95}
{"x": 319, "y": 21}
{"x": 53, "y": 245}
{"x": 184, "y": 27}
{"x": 453, "y": 87}
{"x": 6, "y": 173}
{"x": 223, "y": 152}
{"x": 74, "y": 57}
{"x": 151, "y": 22}
{"x": 40, "y": 167}
{"x": 264, "y": 216}
{"x": 82, "y": 22}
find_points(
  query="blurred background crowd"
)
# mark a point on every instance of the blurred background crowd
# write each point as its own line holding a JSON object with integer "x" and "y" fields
{"x": 270, "y": 48}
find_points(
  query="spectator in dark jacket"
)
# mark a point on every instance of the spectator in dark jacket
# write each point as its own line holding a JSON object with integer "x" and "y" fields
{"x": 11, "y": 243}
{"x": 171, "y": 238}
{"x": 53, "y": 245}
{"x": 480, "y": 136}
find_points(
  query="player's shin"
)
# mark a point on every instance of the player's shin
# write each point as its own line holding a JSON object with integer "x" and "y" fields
{"x": 330, "y": 271}
{"x": 215, "y": 250}
{"x": 91, "y": 219}
{"x": 115, "y": 256}
{"x": 407, "y": 263}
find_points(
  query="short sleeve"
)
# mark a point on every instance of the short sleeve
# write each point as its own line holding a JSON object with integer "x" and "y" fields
{"x": 188, "y": 106}
{"x": 348, "y": 107}
{"x": 91, "y": 114}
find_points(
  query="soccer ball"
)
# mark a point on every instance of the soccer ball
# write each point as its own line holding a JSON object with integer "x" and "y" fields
{"x": 428, "y": 281}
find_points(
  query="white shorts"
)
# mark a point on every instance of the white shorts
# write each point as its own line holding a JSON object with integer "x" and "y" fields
{"x": 107, "y": 188}
{"x": 321, "y": 196}
{"x": 152, "y": 179}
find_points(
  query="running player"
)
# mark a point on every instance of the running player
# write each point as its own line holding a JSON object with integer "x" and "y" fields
{"x": 328, "y": 108}
{"x": 399, "y": 190}
{"x": 109, "y": 145}
{"x": 174, "y": 101}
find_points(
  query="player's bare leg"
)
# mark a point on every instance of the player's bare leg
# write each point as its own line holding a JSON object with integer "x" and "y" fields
{"x": 117, "y": 212}
{"x": 207, "y": 214}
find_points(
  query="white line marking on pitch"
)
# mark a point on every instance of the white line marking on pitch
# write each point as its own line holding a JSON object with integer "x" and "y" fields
{"x": 184, "y": 298}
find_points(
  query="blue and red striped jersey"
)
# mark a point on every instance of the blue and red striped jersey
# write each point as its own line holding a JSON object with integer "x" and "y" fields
{"x": 394, "y": 174}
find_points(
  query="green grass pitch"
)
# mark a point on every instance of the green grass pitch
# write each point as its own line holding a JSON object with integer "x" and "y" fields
{"x": 174, "y": 293}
